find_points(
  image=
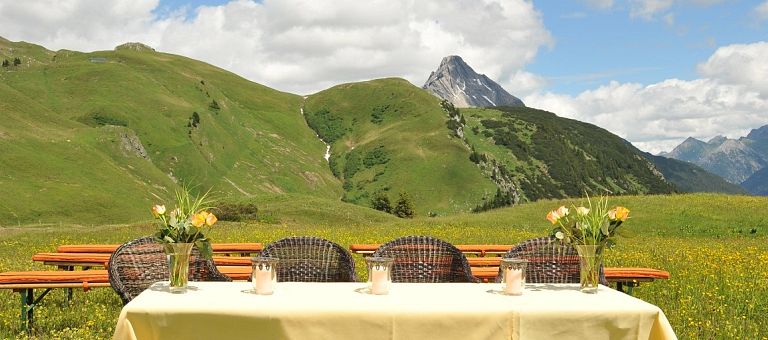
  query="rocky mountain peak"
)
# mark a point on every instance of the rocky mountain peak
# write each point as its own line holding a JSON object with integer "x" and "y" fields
{"x": 455, "y": 81}
{"x": 760, "y": 133}
{"x": 717, "y": 140}
{"x": 735, "y": 160}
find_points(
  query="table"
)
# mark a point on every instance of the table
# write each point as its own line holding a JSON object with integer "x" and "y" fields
{"x": 228, "y": 310}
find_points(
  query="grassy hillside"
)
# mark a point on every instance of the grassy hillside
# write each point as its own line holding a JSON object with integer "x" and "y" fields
{"x": 693, "y": 236}
{"x": 547, "y": 156}
{"x": 98, "y": 137}
{"x": 390, "y": 136}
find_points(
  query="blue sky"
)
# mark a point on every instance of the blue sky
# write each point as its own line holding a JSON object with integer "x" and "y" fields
{"x": 651, "y": 71}
{"x": 593, "y": 46}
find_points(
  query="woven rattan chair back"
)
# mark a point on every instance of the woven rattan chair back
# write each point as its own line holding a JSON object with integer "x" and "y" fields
{"x": 137, "y": 264}
{"x": 426, "y": 259}
{"x": 311, "y": 259}
{"x": 548, "y": 261}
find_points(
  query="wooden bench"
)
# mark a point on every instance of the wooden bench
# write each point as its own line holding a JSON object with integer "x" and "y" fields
{"x": 26, "y": 282}
{"x": 486, "y": 268}
{"x": 97, "y": 255}
{"x": 100, "y": 260}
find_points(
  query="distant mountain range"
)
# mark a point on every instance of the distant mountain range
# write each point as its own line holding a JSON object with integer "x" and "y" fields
{"x": 740, "y": 161}
{"x": 458, "y": 83}
{"x": 100, "y": 137}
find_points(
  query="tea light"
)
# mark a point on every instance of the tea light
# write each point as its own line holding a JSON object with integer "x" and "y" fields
{"x": 379, "y": 277}
{"x": 264, "y": 275}
{"x": 379, "y": 280}
{"x": 262, "y": 278}
{"x": 513, "y": 278}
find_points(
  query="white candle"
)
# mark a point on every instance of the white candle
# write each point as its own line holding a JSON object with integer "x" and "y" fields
{"x": 379, "y": 281}
{"x": 513, "y": 278}
{"x": 262, "y": 280}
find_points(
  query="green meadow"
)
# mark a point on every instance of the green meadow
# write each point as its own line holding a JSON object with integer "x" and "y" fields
{"x": 714, "y": 246}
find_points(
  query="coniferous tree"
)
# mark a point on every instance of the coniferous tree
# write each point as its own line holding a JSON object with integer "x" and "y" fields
{"x": 16, "y": 61}
{"x": 6, "y": 63}
{"x": 404, "y": 206}
{"x": 380, "y": 202}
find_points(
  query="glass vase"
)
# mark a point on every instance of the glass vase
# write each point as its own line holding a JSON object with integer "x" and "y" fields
{"x": 590, "y": 260}
{"x": 178, "y": 265}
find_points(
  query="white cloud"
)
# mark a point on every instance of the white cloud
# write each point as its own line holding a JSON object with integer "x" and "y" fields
{"x": 600, "y": 4}
{"x": 761, "y": 11}
{"x": 299, "y": 46}
{"x": 523, "y": 83}
{"x": 741, "y": 64}
{"x": 646, "y": 9}
{"x": 730, "y": 99}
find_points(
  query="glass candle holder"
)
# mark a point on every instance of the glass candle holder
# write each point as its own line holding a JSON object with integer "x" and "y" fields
{"x": 513, "y": 275}
{"x": 264, "y": 275}
{"x": 379, "y": 274}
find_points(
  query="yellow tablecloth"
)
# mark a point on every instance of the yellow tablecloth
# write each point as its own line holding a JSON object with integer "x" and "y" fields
{"x": 228, "y": 310}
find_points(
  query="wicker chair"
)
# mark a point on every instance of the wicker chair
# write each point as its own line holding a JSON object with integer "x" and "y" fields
{"x": 137, "y": 264}
{"x": 426, "y": 259}
{"x": 311, "y": 259}
{"x": 548, "y": 261}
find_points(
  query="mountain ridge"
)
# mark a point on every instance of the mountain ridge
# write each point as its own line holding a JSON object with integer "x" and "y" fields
{"x": 736, "y": 160}
{"x": 101, "y": 136}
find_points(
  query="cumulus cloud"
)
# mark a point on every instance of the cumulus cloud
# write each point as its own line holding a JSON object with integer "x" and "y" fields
{"x": 730, "y": 99}
{"x": 299, "y": 46}
{"x": 745, "y": 64}
{"x": 523, "y": 83}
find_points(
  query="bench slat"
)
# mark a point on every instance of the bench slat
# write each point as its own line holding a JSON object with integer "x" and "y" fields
{"x": 55, "y": 276}
{"x": 110, "y": 248}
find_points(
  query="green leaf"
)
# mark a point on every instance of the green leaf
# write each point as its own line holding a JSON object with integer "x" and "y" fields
{"x": 604, "y": 228}
{"x": 205, "y": 248}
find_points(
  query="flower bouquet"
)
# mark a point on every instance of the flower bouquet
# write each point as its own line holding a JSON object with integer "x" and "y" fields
{"x": 590, "y": 230}
{"x": 181, "y": 229}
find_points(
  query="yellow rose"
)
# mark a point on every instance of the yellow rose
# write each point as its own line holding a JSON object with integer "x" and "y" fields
{"x": 553, "y": 216}
{"x": 210, "y": 219}
{"x": 199, "y": 219}
{"x": 621, "y": 213}
{"x": 556, "y": 214}
{"x": 158, "y": 210}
